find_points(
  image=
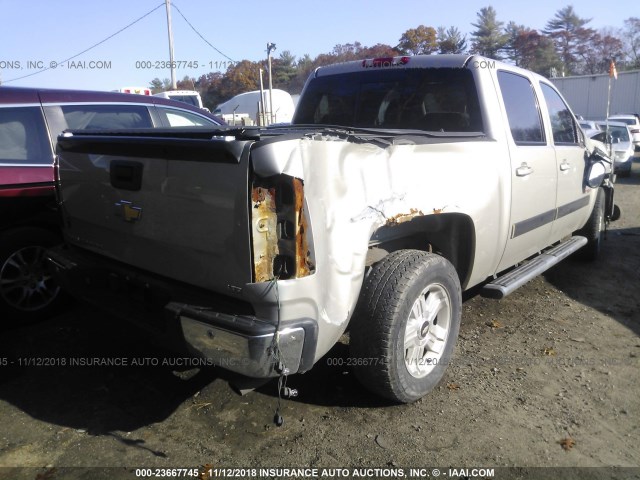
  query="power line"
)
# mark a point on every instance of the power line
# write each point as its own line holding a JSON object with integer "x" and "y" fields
{"x": 198, "y": 33}
{"x": 53, "y": 65}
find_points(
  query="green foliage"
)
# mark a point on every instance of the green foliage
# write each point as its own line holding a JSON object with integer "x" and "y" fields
{"x": 283, "y": 69}
{"x": 451, "y": 40}
{"x": 158, "y": 85}
{"x": 489, "y": 38}
{"x": 570, "y": 34}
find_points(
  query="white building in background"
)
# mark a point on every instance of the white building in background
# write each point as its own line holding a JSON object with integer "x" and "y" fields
{"x": 247, "y": 106}
{"x": 587, "y": 94}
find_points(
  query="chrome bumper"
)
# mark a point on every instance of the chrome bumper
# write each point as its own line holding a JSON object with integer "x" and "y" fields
{"x": 249, "y": 347}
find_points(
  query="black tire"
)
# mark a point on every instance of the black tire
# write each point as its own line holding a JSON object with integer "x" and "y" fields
{"x": 27, "y": 291}
{"x": 594, "y": 230}
{"x": 386, "y": 322}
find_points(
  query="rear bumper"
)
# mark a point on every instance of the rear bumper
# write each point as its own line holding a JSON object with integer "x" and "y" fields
{"x": 222, "y": 330}
{"x": 254, "y": 350}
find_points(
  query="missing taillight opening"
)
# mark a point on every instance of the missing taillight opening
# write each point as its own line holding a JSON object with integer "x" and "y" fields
{"x": 278, "y": 228}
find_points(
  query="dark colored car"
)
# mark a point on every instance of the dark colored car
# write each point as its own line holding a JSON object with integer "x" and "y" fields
{"x": 30, "y": 121}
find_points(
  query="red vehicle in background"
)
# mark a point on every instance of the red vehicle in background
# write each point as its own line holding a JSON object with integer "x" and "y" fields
{"x": 30, "y": 121}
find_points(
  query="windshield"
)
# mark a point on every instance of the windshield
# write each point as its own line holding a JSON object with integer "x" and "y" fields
{"x": 431, "y": 99}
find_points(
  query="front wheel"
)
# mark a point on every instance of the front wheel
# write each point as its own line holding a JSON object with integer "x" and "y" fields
{"x": 406, "y": 324}
{"x": 594, "y": 230}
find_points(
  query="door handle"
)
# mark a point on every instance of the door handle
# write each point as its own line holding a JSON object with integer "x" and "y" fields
{"x": 524, "y": 170}
{"x": 564, "y": 166}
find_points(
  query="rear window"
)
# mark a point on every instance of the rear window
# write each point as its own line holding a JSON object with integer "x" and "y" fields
{"x": 432, "y": 99}
{"x": 190, "y": 99}
{"x": 106, "y": 117}
{"x": 23, "y": 136}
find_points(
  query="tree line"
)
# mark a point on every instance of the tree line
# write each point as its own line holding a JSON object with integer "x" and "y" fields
{"x": 566, "y": 46}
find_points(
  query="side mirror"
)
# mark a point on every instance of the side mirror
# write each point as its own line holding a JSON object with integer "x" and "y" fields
{"x": 599, "y": 155}
{"x": 596, "y": 175}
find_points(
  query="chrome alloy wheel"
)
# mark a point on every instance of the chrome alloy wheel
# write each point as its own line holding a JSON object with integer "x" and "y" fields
{"x": 427, "y": 330}
{"x": 24, "y": 283}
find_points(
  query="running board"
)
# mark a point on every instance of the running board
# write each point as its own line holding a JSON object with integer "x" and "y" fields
{"x": 503, "y": 286}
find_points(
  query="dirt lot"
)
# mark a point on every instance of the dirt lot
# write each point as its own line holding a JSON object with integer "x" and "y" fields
{"x": 545, "y": 378}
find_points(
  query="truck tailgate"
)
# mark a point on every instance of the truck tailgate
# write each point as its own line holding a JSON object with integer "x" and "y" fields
{"x": 175, "y": 205}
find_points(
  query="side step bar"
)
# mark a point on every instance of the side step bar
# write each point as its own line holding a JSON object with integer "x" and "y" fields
{"x": 503, "y": 286}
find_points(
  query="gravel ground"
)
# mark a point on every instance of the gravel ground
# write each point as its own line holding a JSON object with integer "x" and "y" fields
{"x": 547, "y": 377}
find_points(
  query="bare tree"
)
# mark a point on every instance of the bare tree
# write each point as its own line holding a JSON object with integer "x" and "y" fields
{"x": 631, "y": 36}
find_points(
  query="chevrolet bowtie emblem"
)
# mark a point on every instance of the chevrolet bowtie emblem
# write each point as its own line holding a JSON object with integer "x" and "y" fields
{"x": 128, "y": 211}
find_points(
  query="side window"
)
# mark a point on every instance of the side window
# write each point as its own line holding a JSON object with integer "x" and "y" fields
{"x": 181, "y": 118}
{"x": 106, "y": 117}
{"x": 23, "y": 136}
{"x": 522, "y": 109}
{"x": 562, "y": 124}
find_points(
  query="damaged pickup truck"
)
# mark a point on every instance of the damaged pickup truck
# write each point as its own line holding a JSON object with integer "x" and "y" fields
{"x": 400, "y": 183}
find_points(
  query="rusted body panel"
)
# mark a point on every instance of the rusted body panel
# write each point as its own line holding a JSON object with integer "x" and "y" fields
{"x": 352, "y": 189}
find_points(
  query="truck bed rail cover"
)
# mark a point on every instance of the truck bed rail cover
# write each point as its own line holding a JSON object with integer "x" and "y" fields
{"x": 190, "y": 144}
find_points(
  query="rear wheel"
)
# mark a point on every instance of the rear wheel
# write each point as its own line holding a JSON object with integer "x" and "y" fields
{"x": 406, "y": 324}
{"x": 27, "y": 291}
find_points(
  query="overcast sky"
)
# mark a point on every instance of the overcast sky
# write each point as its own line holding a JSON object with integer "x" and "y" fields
{"x": 36, "y": 34}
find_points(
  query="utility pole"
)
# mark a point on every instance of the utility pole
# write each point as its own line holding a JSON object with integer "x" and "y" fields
{"x": 174, "y": 85}
{"x": 270, "y": 48}
{"x": 262, "y": 113}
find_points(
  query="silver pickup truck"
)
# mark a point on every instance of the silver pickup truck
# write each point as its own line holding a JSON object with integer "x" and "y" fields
{"x": 400, "y": 183}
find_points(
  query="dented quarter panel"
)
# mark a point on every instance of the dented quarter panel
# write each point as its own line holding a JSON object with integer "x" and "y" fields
{"x": 352, "y": 189}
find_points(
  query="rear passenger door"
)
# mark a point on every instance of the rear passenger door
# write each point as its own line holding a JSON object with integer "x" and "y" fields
{"x": 571, "y": 160}
{"x": 533, "y": 170}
